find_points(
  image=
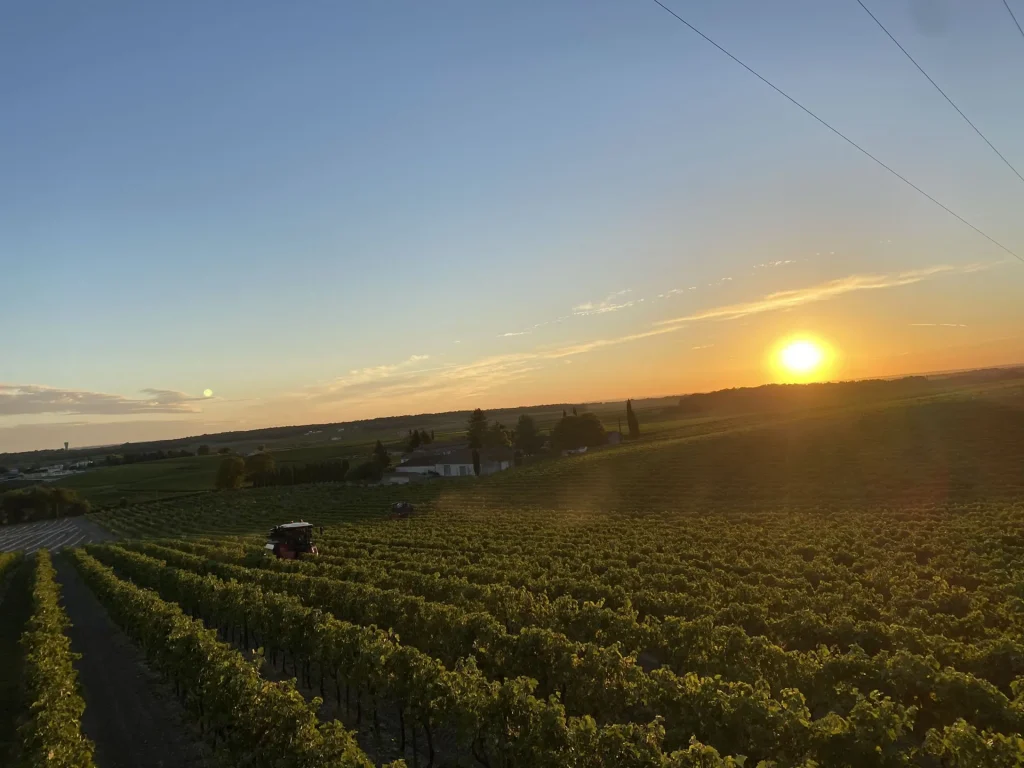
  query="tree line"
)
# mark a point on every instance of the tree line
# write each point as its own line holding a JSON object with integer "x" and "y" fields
{"x": 572, "y": 431}
{"x": 117, "y": 459}
{"x": 40, "y": 502}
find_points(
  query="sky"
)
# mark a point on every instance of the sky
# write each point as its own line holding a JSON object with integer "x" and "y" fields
{"x": 326, "y": 211}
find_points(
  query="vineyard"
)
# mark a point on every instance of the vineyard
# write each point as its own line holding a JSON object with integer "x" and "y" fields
{"x": 841, "y": 591}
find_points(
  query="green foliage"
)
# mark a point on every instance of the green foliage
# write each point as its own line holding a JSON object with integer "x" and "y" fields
{"x": 578, "y": 431}
{"x": 51, "y": 734}
{"x": 963, "y": 746}
{"x": 323, "y": 472}
{"x": 844, "y": 591}
{"x": 258, "y": 464}
{"x": 367, "y": 472}
{"x": 230, "y": 473}
{"x": 40, "y": 502}
{"x": 250, "y": 720}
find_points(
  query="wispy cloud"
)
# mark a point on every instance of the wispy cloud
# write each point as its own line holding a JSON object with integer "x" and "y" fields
{"x": 24, "y": 399}
{"x": 610, "y": 303}
{"x": 800, "y": 296}
{"x": 405, "y": 382}
{"x": 778, "y": 263}
{"x": 676, "y": 291}
{"x": 513, "y": 333}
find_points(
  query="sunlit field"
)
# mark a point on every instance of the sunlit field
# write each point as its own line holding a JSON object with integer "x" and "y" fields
{"x": 843, "y": 590}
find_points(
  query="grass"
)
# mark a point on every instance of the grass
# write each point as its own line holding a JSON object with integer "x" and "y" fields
{"x": 145, "y": 481}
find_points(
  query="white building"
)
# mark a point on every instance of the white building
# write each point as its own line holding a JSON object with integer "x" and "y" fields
{"x": 456, "y": 462}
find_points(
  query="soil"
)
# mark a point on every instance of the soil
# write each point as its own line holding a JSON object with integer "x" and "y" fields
{"x": 51, "y": 534}
{"x": 130, "y": 714}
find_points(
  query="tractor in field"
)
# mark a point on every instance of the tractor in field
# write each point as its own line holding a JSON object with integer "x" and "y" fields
{"x": 288, "y": 541}
{"x": 401, "y": 510}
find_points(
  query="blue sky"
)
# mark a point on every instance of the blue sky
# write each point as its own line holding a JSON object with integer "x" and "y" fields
{"x": 279, "y": 202}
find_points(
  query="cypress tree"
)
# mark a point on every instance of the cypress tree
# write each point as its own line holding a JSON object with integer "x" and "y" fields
{"x": 631, "y": 421}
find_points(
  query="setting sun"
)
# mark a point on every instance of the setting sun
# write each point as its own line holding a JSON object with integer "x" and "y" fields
{"x": 801, "y": 359}
{"x": 802, "y": 356}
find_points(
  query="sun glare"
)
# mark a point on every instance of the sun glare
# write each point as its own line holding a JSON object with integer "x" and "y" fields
{"x": 802, "y": 356}
{"x": 207, "y": 393}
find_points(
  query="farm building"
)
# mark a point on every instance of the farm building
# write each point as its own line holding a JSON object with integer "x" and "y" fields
{"x": 456, "y": 461}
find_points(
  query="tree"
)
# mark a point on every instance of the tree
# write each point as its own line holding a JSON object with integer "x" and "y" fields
{"x": 578, "y": 431}
{"x": 574, "y": 411}
{"x": 425, "y": 439}
{"x": 631, "y": 421}
{"x": 204, "y": 450}
{"x": 259, "y": 464}
{"x": 431, "y": 435}
{"x": 224, "y": 451}
{"x": 564, "y": 414}
{"x": 477, "y": 431}
{"x": 476, "y": 462}
{"x": 367, "y": 472}
{"x": 381, "y": 456}
{"x": 414, "y": 441}
{"x": 528, "y": 439}
{"x": 496, "y": 437}
{"x": 231, "y": 472}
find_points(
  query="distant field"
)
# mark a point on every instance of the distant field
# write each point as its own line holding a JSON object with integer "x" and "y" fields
{"x": 144, "y": 481}
{"x": 660, "y": 420}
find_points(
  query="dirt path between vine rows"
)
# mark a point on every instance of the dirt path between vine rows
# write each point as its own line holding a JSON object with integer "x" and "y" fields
{"x": 133, "y": 718}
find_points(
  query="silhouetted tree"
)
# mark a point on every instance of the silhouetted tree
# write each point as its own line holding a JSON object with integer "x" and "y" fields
{"x": 204, "y": 450}
{"x": 414, "y": 441}
{"x": 367, "y": 472}
{"x": 578, "y": 431}
{"x": 477, "y": 431}
{"x": 231, "y": 472}
{"x": 528, "y": 439}
{"x": 496, "y": 437}
{"x": 258, "y": 463}
{"x": 425, "y": 439}
{"x": 381, "y": 456}
{"x": 476, "y": 462}
{"x": 631, "y": 421}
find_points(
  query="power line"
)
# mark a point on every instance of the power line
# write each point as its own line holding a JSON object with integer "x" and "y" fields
{"x": 836, "y": 131}
{"x": 1008, "y": 8}
{"x": 937, "y": 88}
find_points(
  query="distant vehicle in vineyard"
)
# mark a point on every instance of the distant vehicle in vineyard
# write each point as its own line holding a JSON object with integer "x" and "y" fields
{"x": 288, "y": 541}
{"x": 401, "y": 510}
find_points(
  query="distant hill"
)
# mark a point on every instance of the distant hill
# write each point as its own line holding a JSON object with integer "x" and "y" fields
{"x": 766, "y": 398}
